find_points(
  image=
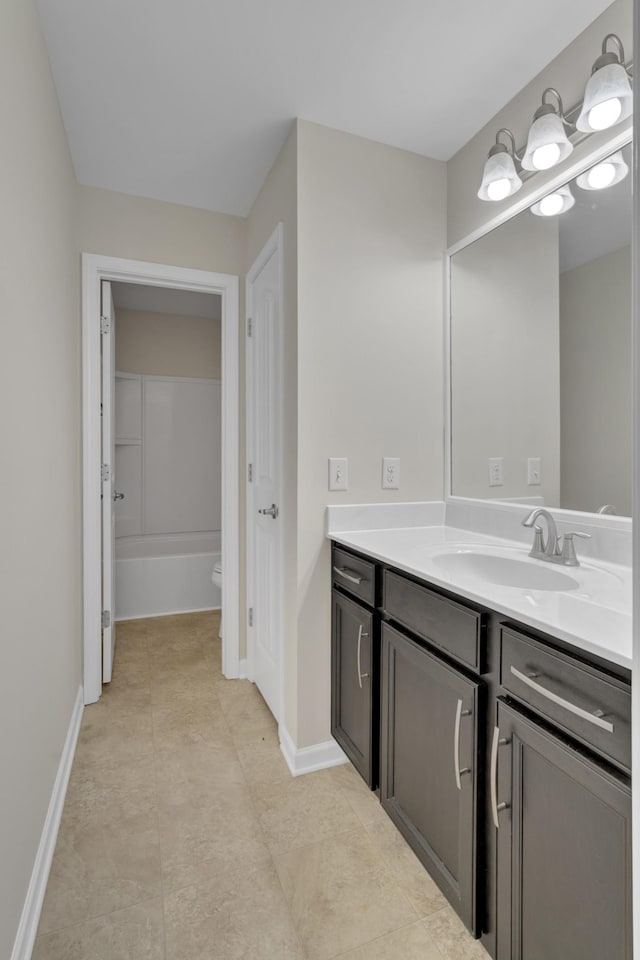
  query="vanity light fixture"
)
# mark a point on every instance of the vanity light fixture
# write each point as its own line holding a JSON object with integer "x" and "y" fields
{"x": 554, "y": 203}
{"x": 604, "y": 174}
{"x": 607, "y": 98}
{"x": 500, "y": 178}
{"x": 547, "y": 143}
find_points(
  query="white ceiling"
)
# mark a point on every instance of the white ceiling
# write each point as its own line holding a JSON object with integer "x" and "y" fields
{"x": 180, "y": 303}
{"x": 191, "y": 100}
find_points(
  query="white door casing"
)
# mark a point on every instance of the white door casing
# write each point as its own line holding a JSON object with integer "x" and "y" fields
{"x": 107, "y": 420}
{"x": 95, "y": 269}
{"x": 264, "y": 485}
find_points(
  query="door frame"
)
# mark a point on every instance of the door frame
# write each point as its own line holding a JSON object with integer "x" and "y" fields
{"x": 96, "y": 268}
{"x": 273, "y": 245}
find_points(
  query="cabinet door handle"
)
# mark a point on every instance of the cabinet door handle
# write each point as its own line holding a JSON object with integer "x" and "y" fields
{"x": 361, "y": 676}
{"x": 351, "y": 577}
{"x": 495, "y": 806}
{"x": 594, "y": 718}
{"x": 456, "y": 744}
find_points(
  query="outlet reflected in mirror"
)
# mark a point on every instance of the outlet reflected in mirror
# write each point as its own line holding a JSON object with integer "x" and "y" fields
{"x": 541, "y": 353}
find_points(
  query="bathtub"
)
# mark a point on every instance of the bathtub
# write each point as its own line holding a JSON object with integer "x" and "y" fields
{"x": 162, "y": 574}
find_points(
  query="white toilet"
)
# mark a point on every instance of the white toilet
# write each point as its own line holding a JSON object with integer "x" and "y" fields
{"x": 216, "y": 578}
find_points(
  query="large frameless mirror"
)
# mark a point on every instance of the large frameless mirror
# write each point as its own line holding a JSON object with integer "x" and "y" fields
{"x": 540, "y": 350}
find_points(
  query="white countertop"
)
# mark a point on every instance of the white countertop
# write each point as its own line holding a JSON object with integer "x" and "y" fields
{"x": 595, "y": 616}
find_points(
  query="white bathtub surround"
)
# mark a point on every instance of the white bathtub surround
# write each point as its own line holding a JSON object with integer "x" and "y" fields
{"x": 594, "y": 616}
{"x": 158, "y": 575}
{"x": 168, "y": 454}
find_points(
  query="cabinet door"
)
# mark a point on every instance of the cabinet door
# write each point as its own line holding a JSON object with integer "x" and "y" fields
{"x": 564, "y": 849}
{"x": 353, "y": 675}
{"x": 429, "y": 764}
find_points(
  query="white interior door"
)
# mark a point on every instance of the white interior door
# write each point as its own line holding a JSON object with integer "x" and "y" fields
{"x": 108, "y": 480}
{"x": 264, "y": 488}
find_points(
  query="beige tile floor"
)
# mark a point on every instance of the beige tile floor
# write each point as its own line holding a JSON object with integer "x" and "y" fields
{"x": 184, "y": 837}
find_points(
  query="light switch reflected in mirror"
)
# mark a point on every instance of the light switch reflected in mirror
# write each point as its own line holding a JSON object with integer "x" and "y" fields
{"x": 541, "y": 352}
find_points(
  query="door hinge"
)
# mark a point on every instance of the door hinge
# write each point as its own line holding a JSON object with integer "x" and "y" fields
{"x": 250, "y": 473}
{"x": 105, "y": 324}
{"x": 106, "y": 619}
{"x": 249, "y": 327}
{"x": 105, "y": 472}
{"x": 250, "y": 616}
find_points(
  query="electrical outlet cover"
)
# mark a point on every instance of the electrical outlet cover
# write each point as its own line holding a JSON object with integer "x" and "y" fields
{"x": 495, "y": 472}
{"x": 390, "y": 473}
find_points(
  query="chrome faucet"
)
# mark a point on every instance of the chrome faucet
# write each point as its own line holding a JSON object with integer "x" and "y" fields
{"x": 551, "y": 549}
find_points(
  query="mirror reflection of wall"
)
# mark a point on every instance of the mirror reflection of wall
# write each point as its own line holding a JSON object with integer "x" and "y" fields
{"x": 541, "y": 356}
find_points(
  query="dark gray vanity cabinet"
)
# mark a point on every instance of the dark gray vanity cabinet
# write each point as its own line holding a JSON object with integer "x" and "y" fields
{"x": 355, "y": 659}
{"x": 564, "y": 847}
{"x": 504, "y": 760}
{"x": 429, "y": 763}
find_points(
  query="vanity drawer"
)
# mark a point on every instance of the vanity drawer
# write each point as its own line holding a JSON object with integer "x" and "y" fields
{"x": 354, "y": 575}
{"x": 451, "y": 626}
{"x": 580, "y": 699}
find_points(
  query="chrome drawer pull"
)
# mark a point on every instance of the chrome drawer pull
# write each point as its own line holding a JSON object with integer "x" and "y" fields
{"x": 456, "y": 744}
{"x": 361, "y": 676}
{"x": 495, "y": 806}
{"x": 593, "y": 718}
{"x": 351, "y": 577}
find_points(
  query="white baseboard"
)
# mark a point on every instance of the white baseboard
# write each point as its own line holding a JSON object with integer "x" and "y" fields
{"x": 319, "y": 756}
{"x": 242, "y": 669}
{"x": 28, "y": 926}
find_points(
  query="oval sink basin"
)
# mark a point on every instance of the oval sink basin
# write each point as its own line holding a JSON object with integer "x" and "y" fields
{"x": 505, "y": 571}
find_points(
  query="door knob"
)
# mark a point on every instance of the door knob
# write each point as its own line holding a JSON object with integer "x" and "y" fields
{"x": 271, "y": 511}
{"x": 118, "y": 496}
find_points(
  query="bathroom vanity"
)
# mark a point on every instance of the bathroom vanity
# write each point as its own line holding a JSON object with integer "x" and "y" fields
{"x": 501, "y": 751}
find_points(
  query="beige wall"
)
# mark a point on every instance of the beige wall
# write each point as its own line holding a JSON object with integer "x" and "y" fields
{"x": 596, "y": 402}
{"x": 40, "y": 557}
{"x": 505, "y": 396}
{"x": 165, "y": 345}
{"x": 278, "y": 202}
{"x": 371, "y": 231}
{"x": 568, "y": 73}
{"x": 136, "y": 228}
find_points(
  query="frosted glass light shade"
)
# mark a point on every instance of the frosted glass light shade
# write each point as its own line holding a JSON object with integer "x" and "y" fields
{"x": 500, "y": 178}
{"x": 554, "y": 203}
{"x": 608, "y": 99}
{"x": 604, "y": 174}
{"x": 547, "y": 143}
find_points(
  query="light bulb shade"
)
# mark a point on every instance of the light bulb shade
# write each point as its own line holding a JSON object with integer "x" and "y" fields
{"x": 607, "y": 85}
{"x": 604, "y": 174}
{"x": 554, "y": 203}
{"x": 500, "y": 178}
{"x": 546, "y": 132}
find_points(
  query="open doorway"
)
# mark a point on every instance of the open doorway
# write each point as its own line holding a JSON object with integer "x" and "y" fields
{"x": 160, "y": 428}
{"x": 167, "y": 451}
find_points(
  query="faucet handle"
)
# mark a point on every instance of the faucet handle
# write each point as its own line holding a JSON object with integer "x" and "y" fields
{"x": 568, "y": 547}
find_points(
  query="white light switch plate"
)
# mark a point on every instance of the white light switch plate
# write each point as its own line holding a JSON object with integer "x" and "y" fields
{"x": 390, "y": 473}
{"x": 534, "y": 471}
{"x": 338, "y": 473}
